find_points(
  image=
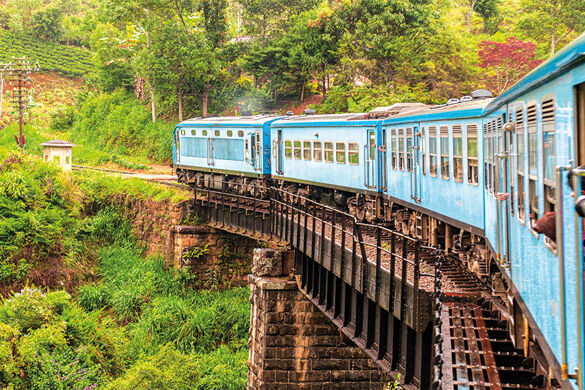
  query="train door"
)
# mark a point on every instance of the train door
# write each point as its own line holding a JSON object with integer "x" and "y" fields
{"x": 210, "y": 149}
{"x": 382, "y": 163}
{"x": 413, "y": 163}
{"x": 502, "y": 157}
{"x": 579, "y": 153}
{"x": 258, "y": 150}
{"x": 370, "y": 159}
{"x": 279, "y": 153}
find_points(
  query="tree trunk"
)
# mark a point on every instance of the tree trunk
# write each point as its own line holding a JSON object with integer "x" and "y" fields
{"x": 180, "y": 99}
{"x": 205, "y": 99}
{"x": 303, "y": 92}
{"x": 324, "y": 81}
{"x": 552, "y": 41}
{"x": 1, "y": 92}
{"x": 153, "y": 105}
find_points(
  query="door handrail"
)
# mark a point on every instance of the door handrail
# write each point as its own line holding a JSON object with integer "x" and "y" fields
{"x": 559, "y": 220}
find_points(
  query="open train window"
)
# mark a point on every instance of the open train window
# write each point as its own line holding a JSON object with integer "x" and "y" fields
{"x": 444, "y": 152}
{"x": 287, "y": 149}
{"x": 472, "y": 160}
{"x": 328, "y": 152}
{"x": 230, "y": 133}
{"x": 548, "y": 153}
{"x": 433, "y": 150}
{"x": 409, "y": 149}
{"x": 520, "y": 164}
{"x": 307, "y": 150}
{"x": 457, "y": 153}
{"x": 217, "y": 133}
{"x": 240, "y": 133}
{"x": 531, "y": 127}
{"x": 182, "y": 132}
{"x": 485, "y": 156}
{"x": 340, "y": 152}
{"x": 393, "y": 145}
{"x": 204, "y": 132}
{"x": 193, "y": 132}
{"x": 317, "y": 153}
{"x": 297, "y": 149}
{"x": 274, "y": 148}
{"x": 401, "y": 149}
{"x": 510, "y": 167}
{"x": 353, "y": 153}
{"x": 490, "y": 156}
{"x": 423, "y": 149}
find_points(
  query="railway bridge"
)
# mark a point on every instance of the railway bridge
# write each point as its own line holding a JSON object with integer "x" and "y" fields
{"x": 337, "y": 303}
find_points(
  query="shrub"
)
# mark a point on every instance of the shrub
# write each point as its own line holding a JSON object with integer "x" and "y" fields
{"x": 63, "y": 370}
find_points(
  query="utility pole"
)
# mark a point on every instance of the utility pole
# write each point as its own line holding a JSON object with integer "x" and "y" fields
{"x": 19, "y": 79}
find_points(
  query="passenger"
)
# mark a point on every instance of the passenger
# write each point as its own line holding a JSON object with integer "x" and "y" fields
{"x": 547, "y": 224}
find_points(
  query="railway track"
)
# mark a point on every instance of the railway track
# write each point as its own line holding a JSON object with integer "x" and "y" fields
{"x": 167, "y": 180}
{"x": 475, "y": 351}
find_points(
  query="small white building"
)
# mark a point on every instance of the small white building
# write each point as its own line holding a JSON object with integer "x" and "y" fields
{"x": 59, "y": 152}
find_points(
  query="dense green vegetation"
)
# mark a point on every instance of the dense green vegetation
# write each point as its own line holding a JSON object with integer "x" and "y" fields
{"x": 124, "y": 320}
{"x": 51, "y": 57}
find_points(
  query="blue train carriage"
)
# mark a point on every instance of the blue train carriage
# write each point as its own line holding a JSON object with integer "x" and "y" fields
{"x": 535, "y": 133}
{"x": 332, "y": 155}
{"x": 435, "y": 170}
{"x": 207, "y": 151}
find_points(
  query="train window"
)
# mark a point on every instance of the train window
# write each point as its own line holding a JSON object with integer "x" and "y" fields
{"x": 444, "y": 152}
{"x": 193, "y": 132}
{"x": 401, "y": 149}
{"x": 520, "y": 163}
{"x": 353, "y": 153}
{"x": 490, "y": 153}
{"x": 457, "y": 153}
{"x": 182, "y": 132}
{"x": 307, "y": 150}
{"x": 216, "y": 133}
{"x": 274, "y": 148}
{"x": 423, "y": 148}
{"x": 531, "y": 128}
{"x": 230, "y": 133}
{"x": 510, "y": 167}
{"x": 204, "y": 132}
{"x": 340, "y": 152}
{"x": 297, "y": 150}
{"x": 240, "y": 133}
{"x": 548, "y": 131}
{"x": 409, "y": 149}
{"x": 433, "y": 150}
{"x": 328, "y": 151}
{"x": 317, "y": 154}
{"x": 372, "y": 146}
{"x": 288, "y": 149}
{"x": 472, "y": 161}
{"x": 246, "y": 148}
{"x": 393, "y": 146}
{"x": 485, "y": 154}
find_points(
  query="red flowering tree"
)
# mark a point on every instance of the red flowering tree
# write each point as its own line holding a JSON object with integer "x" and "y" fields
{"x": 507, "y": 62}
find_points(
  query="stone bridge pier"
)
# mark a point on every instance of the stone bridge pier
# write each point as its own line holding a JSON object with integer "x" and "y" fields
{"x": 292, "y": 344}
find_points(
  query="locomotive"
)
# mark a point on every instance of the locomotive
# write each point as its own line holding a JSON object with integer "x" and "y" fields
{"x": 476, "y": 175}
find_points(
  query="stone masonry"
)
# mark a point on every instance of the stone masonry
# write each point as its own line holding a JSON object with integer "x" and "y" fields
{"x": 293, "y": 345}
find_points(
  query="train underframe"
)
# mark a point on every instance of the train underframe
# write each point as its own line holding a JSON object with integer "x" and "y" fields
{"x": 470, "y": 249}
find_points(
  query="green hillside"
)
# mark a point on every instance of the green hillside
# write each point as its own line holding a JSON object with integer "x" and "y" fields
{"x": 68, "y": 61}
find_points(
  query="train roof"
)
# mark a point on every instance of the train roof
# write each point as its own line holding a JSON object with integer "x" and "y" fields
{"x": 569, "y": 57}
{"x": 230, "y": 121}
{"x": 351, "y": 119}
{"x": 470, "y": 109}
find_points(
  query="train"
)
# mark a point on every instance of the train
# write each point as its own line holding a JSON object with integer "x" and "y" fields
{"x": 477, "y": 176}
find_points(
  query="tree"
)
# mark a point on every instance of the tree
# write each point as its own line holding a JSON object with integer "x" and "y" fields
{"x": 554, "y": 21}
{"x": 47, "y": 23}
{"x": 488, "y": 9}
{"x": 508, "y": 61}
